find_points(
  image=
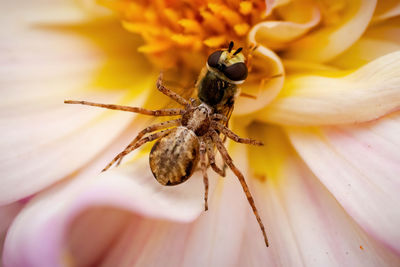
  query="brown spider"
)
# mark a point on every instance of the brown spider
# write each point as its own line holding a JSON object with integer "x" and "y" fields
{"x": 183, "y": 142}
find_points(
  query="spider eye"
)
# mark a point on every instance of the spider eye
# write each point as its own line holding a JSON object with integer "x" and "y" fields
{"x": 236, "y": 72}
{"x": 213, "y": 59}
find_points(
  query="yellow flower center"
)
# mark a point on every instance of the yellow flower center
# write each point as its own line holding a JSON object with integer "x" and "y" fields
{"x": 194, "y": 28}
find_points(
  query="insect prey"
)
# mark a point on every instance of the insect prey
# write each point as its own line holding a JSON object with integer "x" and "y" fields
{"x": 190, "y": 140}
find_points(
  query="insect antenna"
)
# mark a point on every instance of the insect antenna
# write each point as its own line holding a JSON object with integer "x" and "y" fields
{"x": 230, "y": 46}
{"x": 238, "y": 51}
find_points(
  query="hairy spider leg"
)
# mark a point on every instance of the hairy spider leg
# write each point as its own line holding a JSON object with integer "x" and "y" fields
{"x": 203, "y": 163}
{"x": 159, "y": 112}
{"x": 227, "y": 132}
{"x": 137, "y": 145}
{"x": 228, "y": 160}
{"x": 211, "y": 159}
{"x": 150, "y": 129}
{"x": 169, "y": 92}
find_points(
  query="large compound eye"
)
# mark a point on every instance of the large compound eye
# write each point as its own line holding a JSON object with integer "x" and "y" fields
{"x": 236, "y": 72}
{"x": 213, "y": 59}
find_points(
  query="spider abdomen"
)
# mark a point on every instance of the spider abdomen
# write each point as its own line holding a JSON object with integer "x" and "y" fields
{"x": 174, "y": 157}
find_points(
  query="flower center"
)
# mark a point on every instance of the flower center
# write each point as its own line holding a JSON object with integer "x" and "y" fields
{"x": 193, "y": 28}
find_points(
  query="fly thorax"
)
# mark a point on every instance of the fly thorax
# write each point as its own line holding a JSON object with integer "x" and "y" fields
{"x": 197, "y": 119}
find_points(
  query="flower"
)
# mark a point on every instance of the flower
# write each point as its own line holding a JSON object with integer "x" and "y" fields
{"x": 326, "y": 183}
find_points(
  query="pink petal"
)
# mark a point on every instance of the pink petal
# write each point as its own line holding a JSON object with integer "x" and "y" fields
{"x": 41, "y": 64}
{"x": 7, "y": 215}
{"x": 305, "y": 223}
{"x": 360, "y": 166}
{"x": 131, "y": 188}
{"x": 343, "y": 23}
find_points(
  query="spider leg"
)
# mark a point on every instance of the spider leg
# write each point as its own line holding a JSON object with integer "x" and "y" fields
{"x": 137, "y": 145}
{"x": 159, "y": 112}
{"x": 150, "y": 129}
{"x": 203, "y": 163}
{"x": 211, "y": 159}
{"x": 169, "y": 92}
{"x": 233, "y": 136}
{"x": 228, "y": 160}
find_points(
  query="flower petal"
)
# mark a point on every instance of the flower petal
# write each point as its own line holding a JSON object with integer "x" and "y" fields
{"x": 377, "y": 41}
{"x": 85, "y": 223}
{"x": 264, "y": 84}
{"x": 44, "y": 64}
{"x": 7, "y": 215}
{"x": 359, "y": 165}
{"x": 131, "y": 187}
{"x": 305, "y": 223}
{"x": 367, "y": 94}
{"x": 345, "y": 21}
{"x": 301, "y": 17}
{"x": 386, "y": 9}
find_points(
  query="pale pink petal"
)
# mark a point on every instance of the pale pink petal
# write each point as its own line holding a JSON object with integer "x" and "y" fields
{"x": 386, "y": 9}
{"x": 305, "y": 223}
{"x": 43, "y": 64}
{"x": 131, "y": 187}
{"x": 360, "y": 166}
{"x": 364, "y": 95}
{"x": 344, "y": 22}
{"x": 298, "y": 18}
{"x": 7, "y": 215}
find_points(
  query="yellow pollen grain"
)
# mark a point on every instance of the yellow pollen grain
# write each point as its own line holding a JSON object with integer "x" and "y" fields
{"x": 151, "y": 16}
{"x": 141, "y": 28}
{"x": 184, "y": 40}
{"x": 172, "y": 18}
{"x": 245, "y": 7}
{"x": 213, "y": 22}
{"x": 190, "y": 26}
{"x": 215, "y": 41}
{"x": 241, "y": 29}
{"x": 155, "y": 47}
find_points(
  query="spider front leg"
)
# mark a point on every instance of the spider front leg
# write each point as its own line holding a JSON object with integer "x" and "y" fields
{"x": 235, "y": 137}
{"x": 137, "y": 145}
{"x": 151, "y": 129}
{"x": 203, "y": 164}
{"x": 157, "y": 113}
{"x": 169, "y": 92}
{"x": 211, "y": 159}
{"x": 228, "y": 160}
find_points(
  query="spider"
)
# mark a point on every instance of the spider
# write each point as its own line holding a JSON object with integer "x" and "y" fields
{"x": 191, "y": 138}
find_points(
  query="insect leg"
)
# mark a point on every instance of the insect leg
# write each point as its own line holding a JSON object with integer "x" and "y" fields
{"x": 150, "y": 129}
{"x": 204, "y": 171}
{"x": 211, "y": 159}
{"x": 137, "y": 145}
{"x": 159, "y": 112}
{"x": 234, "y": 136}
{"x": 228, "y": 160}
{"x": 169, "y": 92}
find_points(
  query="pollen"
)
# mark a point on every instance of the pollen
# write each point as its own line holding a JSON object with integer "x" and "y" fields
{"x": 169, "y": 27}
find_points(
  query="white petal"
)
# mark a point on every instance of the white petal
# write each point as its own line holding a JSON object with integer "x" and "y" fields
{"x": 42, "y": 64}
{"x": 386, "y": 9}
{"x": 344, "y": 22}
{"x": 305, "y": 223}
{"x": 377, "y": 41}
{"x": 366, "y": 94}
{"x": 360, "y": 166}
{"x": 277, "y": 34}
{"x": 264, "y": 83}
